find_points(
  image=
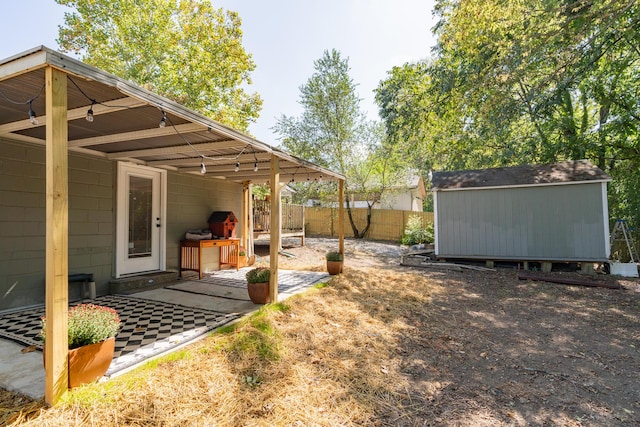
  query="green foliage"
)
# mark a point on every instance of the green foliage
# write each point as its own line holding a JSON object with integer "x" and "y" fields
{"x": 186, "y": 50}
{"x": 88, "y": 324}
{"x": 515, "y": 82}
{"x": 332, "y": 131}
{"x": 416, "y": 233}
{"x": 258, "y": 275}
{"x": 334, "y": 256}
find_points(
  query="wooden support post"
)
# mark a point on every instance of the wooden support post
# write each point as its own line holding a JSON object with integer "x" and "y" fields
{"x": 274, "y": 232}
{"x": 57, "y": 236}
{"x": 250, "y": 248}
{"x": 546, "y": 266}
{"x": 341, "y": 216}
{"x": 246, "y": 213}
{"x": 490, "y": 264}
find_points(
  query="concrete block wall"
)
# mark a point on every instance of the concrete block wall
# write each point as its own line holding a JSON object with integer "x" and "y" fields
{"x": 22, "y": 222}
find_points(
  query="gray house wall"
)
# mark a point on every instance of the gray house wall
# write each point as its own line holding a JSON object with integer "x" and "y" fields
{"x": 92, "y": 198}
{"x": 190, "y": 201}
{"x": 538, "y": 223}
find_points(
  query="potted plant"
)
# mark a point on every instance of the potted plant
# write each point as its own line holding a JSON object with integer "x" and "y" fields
{"x": 258, "y": 285}
{"x": 242, "y": 257}
{"x": 92, "y": 330}
{"x": 334, "y": 262}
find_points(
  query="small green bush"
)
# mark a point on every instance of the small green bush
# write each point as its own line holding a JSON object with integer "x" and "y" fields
{"x": 334, "y": 256}
{"x": 258, "y": 275}
{"x": 415, "y": 233}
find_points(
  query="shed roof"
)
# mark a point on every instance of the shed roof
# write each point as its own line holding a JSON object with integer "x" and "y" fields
{"x": 566, "y": 172}
{"x": 126, "y": 125}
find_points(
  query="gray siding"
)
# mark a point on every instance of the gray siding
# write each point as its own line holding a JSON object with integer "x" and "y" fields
{"x": 546, "y": 223}
{"x": 22, "y": 222}
{"x": 92, "y": 181}
{"x": 190, "y": 201}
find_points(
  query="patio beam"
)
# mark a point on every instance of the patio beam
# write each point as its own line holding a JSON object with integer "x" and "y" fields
{"x": 175, "y": 149}
{"x": 138, "y": 134}
{"x": 274, "y": 231}
{"x": 57, "y": 236}
{"x": 76, "y": 113}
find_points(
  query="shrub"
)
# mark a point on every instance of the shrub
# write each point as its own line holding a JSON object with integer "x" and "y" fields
{"x": 334, "y": 256}
{"x": 258, "y": 275}
{"x": 89, "y": 324}
{"x": 415, "y": 233}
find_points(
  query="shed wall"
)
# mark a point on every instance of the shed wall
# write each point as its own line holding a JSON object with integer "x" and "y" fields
{"x": 546, "y": 223}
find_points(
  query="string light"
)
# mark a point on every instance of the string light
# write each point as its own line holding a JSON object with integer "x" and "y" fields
{"x": 237, "y": 168}
{"x": 32, "y": 114}
{"x": 255, "y": 167}
{"x": 90, "y": 112}
{"x": 203, "y": 168}
{"x": 163, "y": 120}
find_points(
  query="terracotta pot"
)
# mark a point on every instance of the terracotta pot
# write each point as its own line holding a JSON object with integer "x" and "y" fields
{"x": 88, "y": 363}
{"x": 334, "y": 267}
{"x": 242, "y": 261}
{"x": 259, "y": 292}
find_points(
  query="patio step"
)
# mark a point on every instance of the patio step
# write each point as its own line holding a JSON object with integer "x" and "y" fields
{"x": 128, "y": 285}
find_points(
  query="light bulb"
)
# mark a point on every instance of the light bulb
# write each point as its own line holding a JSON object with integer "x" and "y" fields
{"x": 32, "y": 115}
{"x": 90, "y": 115}
{"x": 163, "y": 120}
{"x": 237, "y": 168}
{"x": 255, "y": 167}
{"x": 203, "y": 168}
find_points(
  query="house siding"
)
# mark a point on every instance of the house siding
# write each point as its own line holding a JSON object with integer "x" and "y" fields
{"x": 92, "y": 200}
{"x": 547, "y": 223}
{"x": 190, "y": 201}
{"x": 22, "y": 222}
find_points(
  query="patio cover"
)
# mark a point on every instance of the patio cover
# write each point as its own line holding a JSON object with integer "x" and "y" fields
{"x": 130, "y": 124}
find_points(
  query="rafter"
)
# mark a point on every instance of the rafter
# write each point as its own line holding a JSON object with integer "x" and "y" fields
{"x": 176, "y": 149}
{"x": 138, "y": 134}
{"x": 76, "y": 113}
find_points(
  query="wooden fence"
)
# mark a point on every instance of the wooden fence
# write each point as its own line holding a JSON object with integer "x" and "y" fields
{"x": 385, "y": 224}
{"x": 292, "y": 217}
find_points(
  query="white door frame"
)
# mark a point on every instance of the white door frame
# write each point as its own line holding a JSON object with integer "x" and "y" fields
{"x": 125, "y": 170}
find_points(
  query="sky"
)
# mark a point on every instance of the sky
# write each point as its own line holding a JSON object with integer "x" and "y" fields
{"x": 284, "y": 37}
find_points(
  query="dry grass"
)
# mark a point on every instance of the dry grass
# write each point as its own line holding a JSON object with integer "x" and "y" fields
{"x": 383, "y": 345}
{"x": 324, "y": 358}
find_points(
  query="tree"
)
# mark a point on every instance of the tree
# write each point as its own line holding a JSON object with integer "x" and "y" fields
{"x": 333, "y": 132}
{"x": 185, "y": 50}
{"x": 515, "y": 82}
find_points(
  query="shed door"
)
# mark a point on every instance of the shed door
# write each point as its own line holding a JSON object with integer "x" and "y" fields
{"x": 140, "y": 220}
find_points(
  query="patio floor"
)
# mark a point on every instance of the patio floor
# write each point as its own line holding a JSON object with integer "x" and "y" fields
{"x": 154, "y": 322}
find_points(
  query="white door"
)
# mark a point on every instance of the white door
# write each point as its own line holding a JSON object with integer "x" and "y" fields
{"x": 140, "y": 227}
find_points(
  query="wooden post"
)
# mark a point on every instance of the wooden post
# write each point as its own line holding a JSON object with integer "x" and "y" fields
{"x": 57, "y": 236}
{"x": 251, "y": 248}
{"x": 341, "y": 216}
{"x": 274, "y": 232}
{"x": 245, "y": 216}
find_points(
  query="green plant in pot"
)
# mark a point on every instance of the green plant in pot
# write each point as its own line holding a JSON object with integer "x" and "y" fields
{"x": 334, "y": 262}
{"x": 91, "y": 339}
{"x": 258, "y": 285}
{"x": 242, "y": 257}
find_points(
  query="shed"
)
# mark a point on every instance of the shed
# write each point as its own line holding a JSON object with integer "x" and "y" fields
{"x": 550, "y": 213}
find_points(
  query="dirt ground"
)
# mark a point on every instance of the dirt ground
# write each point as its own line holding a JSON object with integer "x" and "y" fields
{"x": 388, "y": 345}
{"x": 490, "y": 349}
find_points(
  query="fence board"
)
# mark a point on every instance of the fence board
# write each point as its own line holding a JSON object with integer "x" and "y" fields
{"x": 386, "y": 224}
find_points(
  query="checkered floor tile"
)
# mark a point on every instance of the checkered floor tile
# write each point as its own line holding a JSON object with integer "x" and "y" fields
{"x": 148, "y": 327}
{"x": 288, "y": 281}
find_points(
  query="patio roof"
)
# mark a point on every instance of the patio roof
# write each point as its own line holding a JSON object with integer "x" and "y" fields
{"x": 126, "y": 125}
